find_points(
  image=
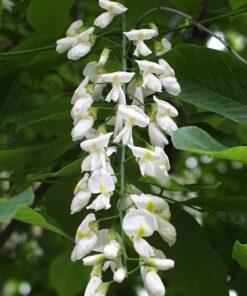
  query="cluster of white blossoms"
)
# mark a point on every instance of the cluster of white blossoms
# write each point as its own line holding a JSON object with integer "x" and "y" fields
{"x": 141, "y": 215}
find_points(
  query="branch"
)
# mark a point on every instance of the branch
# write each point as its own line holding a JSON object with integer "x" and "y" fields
{"x": 195, "y": 23}
{"x": 197, "y": 17}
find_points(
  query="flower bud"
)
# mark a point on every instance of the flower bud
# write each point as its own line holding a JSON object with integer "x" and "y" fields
{"x": 111, "y": 250}
{"x": 94, "y": 259}
{"x": 154, "y": 27}
{"x": 161, "y": 264}
{"x": 104, "y": 56}
{"x": 154, "y": 284}
{"x": 119, "y": 275}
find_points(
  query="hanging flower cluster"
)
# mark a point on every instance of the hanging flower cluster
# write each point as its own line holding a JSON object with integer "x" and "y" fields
{"x": 141, "y": 215}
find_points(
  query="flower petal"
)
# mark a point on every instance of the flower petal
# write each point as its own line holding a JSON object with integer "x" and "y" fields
{"x": 104, "y": 19}
{"x": 79, "y": 51}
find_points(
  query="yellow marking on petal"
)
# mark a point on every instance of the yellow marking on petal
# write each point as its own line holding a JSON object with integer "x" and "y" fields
{"x": 116, "y": 80}
{"x": 132, "y": 121}
{"x": 150, "y": 205}
{"x": 111, "y": 8}
{"x": 78, "y": 188}
{"x": 151, "y": 69}
{"x": 147, "y": 155}
{"x": 166, "y": 215}
{"x": 81, "y": 234}
{"x": 102, "y": 189}
{"x": 139, "y": 37}
{"x": 141, "y": 231}
{"x": 95, "y": 146}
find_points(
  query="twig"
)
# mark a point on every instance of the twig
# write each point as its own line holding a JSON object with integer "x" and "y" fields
{"x": 208, "y": 21}
{"x": 26, "y": 51}
{"x": 195, "y": 23}
{"x": 197, "y": 17}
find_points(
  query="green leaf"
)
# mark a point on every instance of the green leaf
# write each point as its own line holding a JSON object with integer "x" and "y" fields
{"x": 235, "y": 218}
{"x": 9, "y": 207}
{"x": 52, "y": 111}
{"x": 196, "y": 140}
{"x": 214, "y": 81}
{"x": 219, "y": 204}
{"x": 36, "y": 155}
{"x": 69, "y": 280}
{"x": 239, "y": 253}
{"x": 175, "y": 186}
{"x": 234, "y": 4}
{"x": 199, "y": 271}
{"x": 49, "y": 16}
{"x": 41, "y": 219}
{"x": 70, "y": 171}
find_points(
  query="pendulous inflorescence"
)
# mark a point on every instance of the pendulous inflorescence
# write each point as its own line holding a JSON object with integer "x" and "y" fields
{"x": 140, "y": 214}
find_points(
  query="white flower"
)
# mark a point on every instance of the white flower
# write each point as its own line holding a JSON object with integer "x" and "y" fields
{"x": 119, "y": 275}
{"x": 80, "y": 108}
{"x": 137, "y": 93}
{"x": 163, "y": 161}
{"x": 83, "y": 120}
{"x": 92, "y": 286}
{"x": 167, "y": 124}
{"x": 152, "y": 282}
{"x": 81, "y": 92}
{"x": 157, "y": 138}
{"x": 146, "y": 160}
{"x": 93, "y": 71}
{"x": 168, "y": 71}
{"x": 101, "y": 182}
{"x": 138, "y": 36}
{"x": 161, "y": 212}
{"x": 82, "y": 46}
{"x": 171, "y": 85}
{"x": 165, "y": 109}
{"x": 7, "y": 4}
{"x": 149, "y": 202}
{"x": 162, "y": 46}
{"x": 82, "y": 195}
{"x": 168, "y": 80}
{"x": 70, "y": 40}
{"x": 112, "y": 249}
{"x": 97, "y": 157}
{"x": 142, "y": 247}
{"x": 166, "y": 230}
{"x": 133, "y": 116}
{"x": 82, "y": 127}
{"x": 117, "y": 79}
{"x": 78, "y": 41}
{"x": 161, "y": 264}
{"x": 148, "y": 69}
{"x": 113, "y": 9}
{"x": 139, "y": 223}
{"x": 85, "y": 239}
{"x": 93, "y": 260}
